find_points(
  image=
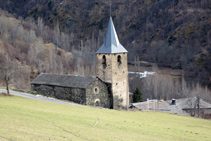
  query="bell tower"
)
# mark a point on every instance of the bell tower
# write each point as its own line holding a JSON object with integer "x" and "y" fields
{"x": 112, "y": 68}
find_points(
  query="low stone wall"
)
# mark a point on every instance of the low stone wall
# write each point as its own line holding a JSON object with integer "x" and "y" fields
{"x": 44, "y": 89}
{"x": 72, "y": 94}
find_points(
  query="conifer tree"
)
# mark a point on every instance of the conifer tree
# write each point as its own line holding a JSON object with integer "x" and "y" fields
{"x": 137, "y": 95}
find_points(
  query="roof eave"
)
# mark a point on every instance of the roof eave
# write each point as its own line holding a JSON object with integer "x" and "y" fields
{"x": 59, "y": 85}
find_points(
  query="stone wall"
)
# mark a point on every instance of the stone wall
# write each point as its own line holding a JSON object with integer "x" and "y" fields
{"x": 115, "y": 73}
{"x": 97, "y": 94}
{"x": 120, "y": 85}
{"x": 104, "y": 74}
{"x": 73, "y": 94}
{"x": 44, "y": 89}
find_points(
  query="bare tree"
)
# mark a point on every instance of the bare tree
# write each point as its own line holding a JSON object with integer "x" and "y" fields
{"x": 40, "y": 26}
{"x": 7, "y": 71}
{"x": 56, "y": 38}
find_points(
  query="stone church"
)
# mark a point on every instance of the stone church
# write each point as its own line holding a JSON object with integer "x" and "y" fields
{"x": 109, "y": 89}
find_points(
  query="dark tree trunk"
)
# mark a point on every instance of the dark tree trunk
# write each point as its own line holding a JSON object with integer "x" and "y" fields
{"x": 7, "y": 85}
{"x": 198, "y": 106}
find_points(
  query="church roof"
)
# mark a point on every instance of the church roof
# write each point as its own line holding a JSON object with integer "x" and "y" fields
{"x": 72, "y": 81}
{"x": 111, "y": 44}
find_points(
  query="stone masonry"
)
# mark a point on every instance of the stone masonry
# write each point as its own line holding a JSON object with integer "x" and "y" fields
{"x": 115, "y": 73}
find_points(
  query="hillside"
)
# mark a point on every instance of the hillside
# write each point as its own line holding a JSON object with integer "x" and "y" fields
{"x": 171, "y": 33}
{"x": 26, "y": 55}
{"x": 49, "y": 121}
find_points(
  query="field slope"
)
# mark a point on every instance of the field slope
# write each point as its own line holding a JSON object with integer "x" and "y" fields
{"x": 25, "y": 119}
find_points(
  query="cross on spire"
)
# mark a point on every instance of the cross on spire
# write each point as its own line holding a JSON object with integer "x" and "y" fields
{"x": 110, "y": 9}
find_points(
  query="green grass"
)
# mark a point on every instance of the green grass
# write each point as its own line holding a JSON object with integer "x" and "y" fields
{"x": 25, "y": 119}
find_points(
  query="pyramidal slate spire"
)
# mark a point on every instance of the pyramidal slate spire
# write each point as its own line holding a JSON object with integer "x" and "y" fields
{"x": 111, "y": 44}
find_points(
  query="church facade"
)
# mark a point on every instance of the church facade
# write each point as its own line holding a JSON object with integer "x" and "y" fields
{"x": 109, "y": 89}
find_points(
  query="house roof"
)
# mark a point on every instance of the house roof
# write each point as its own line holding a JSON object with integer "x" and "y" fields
{"x": 72, "y": 81}
{"x": 111, "y": 44}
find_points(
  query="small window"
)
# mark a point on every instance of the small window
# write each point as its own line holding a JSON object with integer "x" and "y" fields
{"x": 104, "y": 61}
{"x": 96, "y": 90}
{"x": 119, "y": 60}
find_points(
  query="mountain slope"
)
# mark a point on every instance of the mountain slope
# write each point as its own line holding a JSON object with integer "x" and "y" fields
{"x": 27, "y": 54}
{"x": 171, "y": 33}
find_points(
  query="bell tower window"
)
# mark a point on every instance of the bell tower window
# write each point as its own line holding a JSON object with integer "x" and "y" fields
{"x": 119, "y": 60}
{"x": 104, "y": 61}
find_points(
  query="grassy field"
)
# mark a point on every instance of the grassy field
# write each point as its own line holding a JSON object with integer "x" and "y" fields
{"x": 25, "y": 119}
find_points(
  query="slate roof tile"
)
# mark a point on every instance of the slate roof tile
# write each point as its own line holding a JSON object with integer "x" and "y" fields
{"x": 111, "y": 44}
{"x": 72, "y": 81}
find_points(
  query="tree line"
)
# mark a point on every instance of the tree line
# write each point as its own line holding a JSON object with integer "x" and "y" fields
{"x": 27, "y": 50}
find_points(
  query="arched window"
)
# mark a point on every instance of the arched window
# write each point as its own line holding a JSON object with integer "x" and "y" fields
{"x": 97, "y": 102}
{"x": 104, "y": 61}
{"x": 119, "y": 60}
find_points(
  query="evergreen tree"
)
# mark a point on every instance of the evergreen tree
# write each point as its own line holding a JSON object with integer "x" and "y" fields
{"x": 137, "y": 95}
